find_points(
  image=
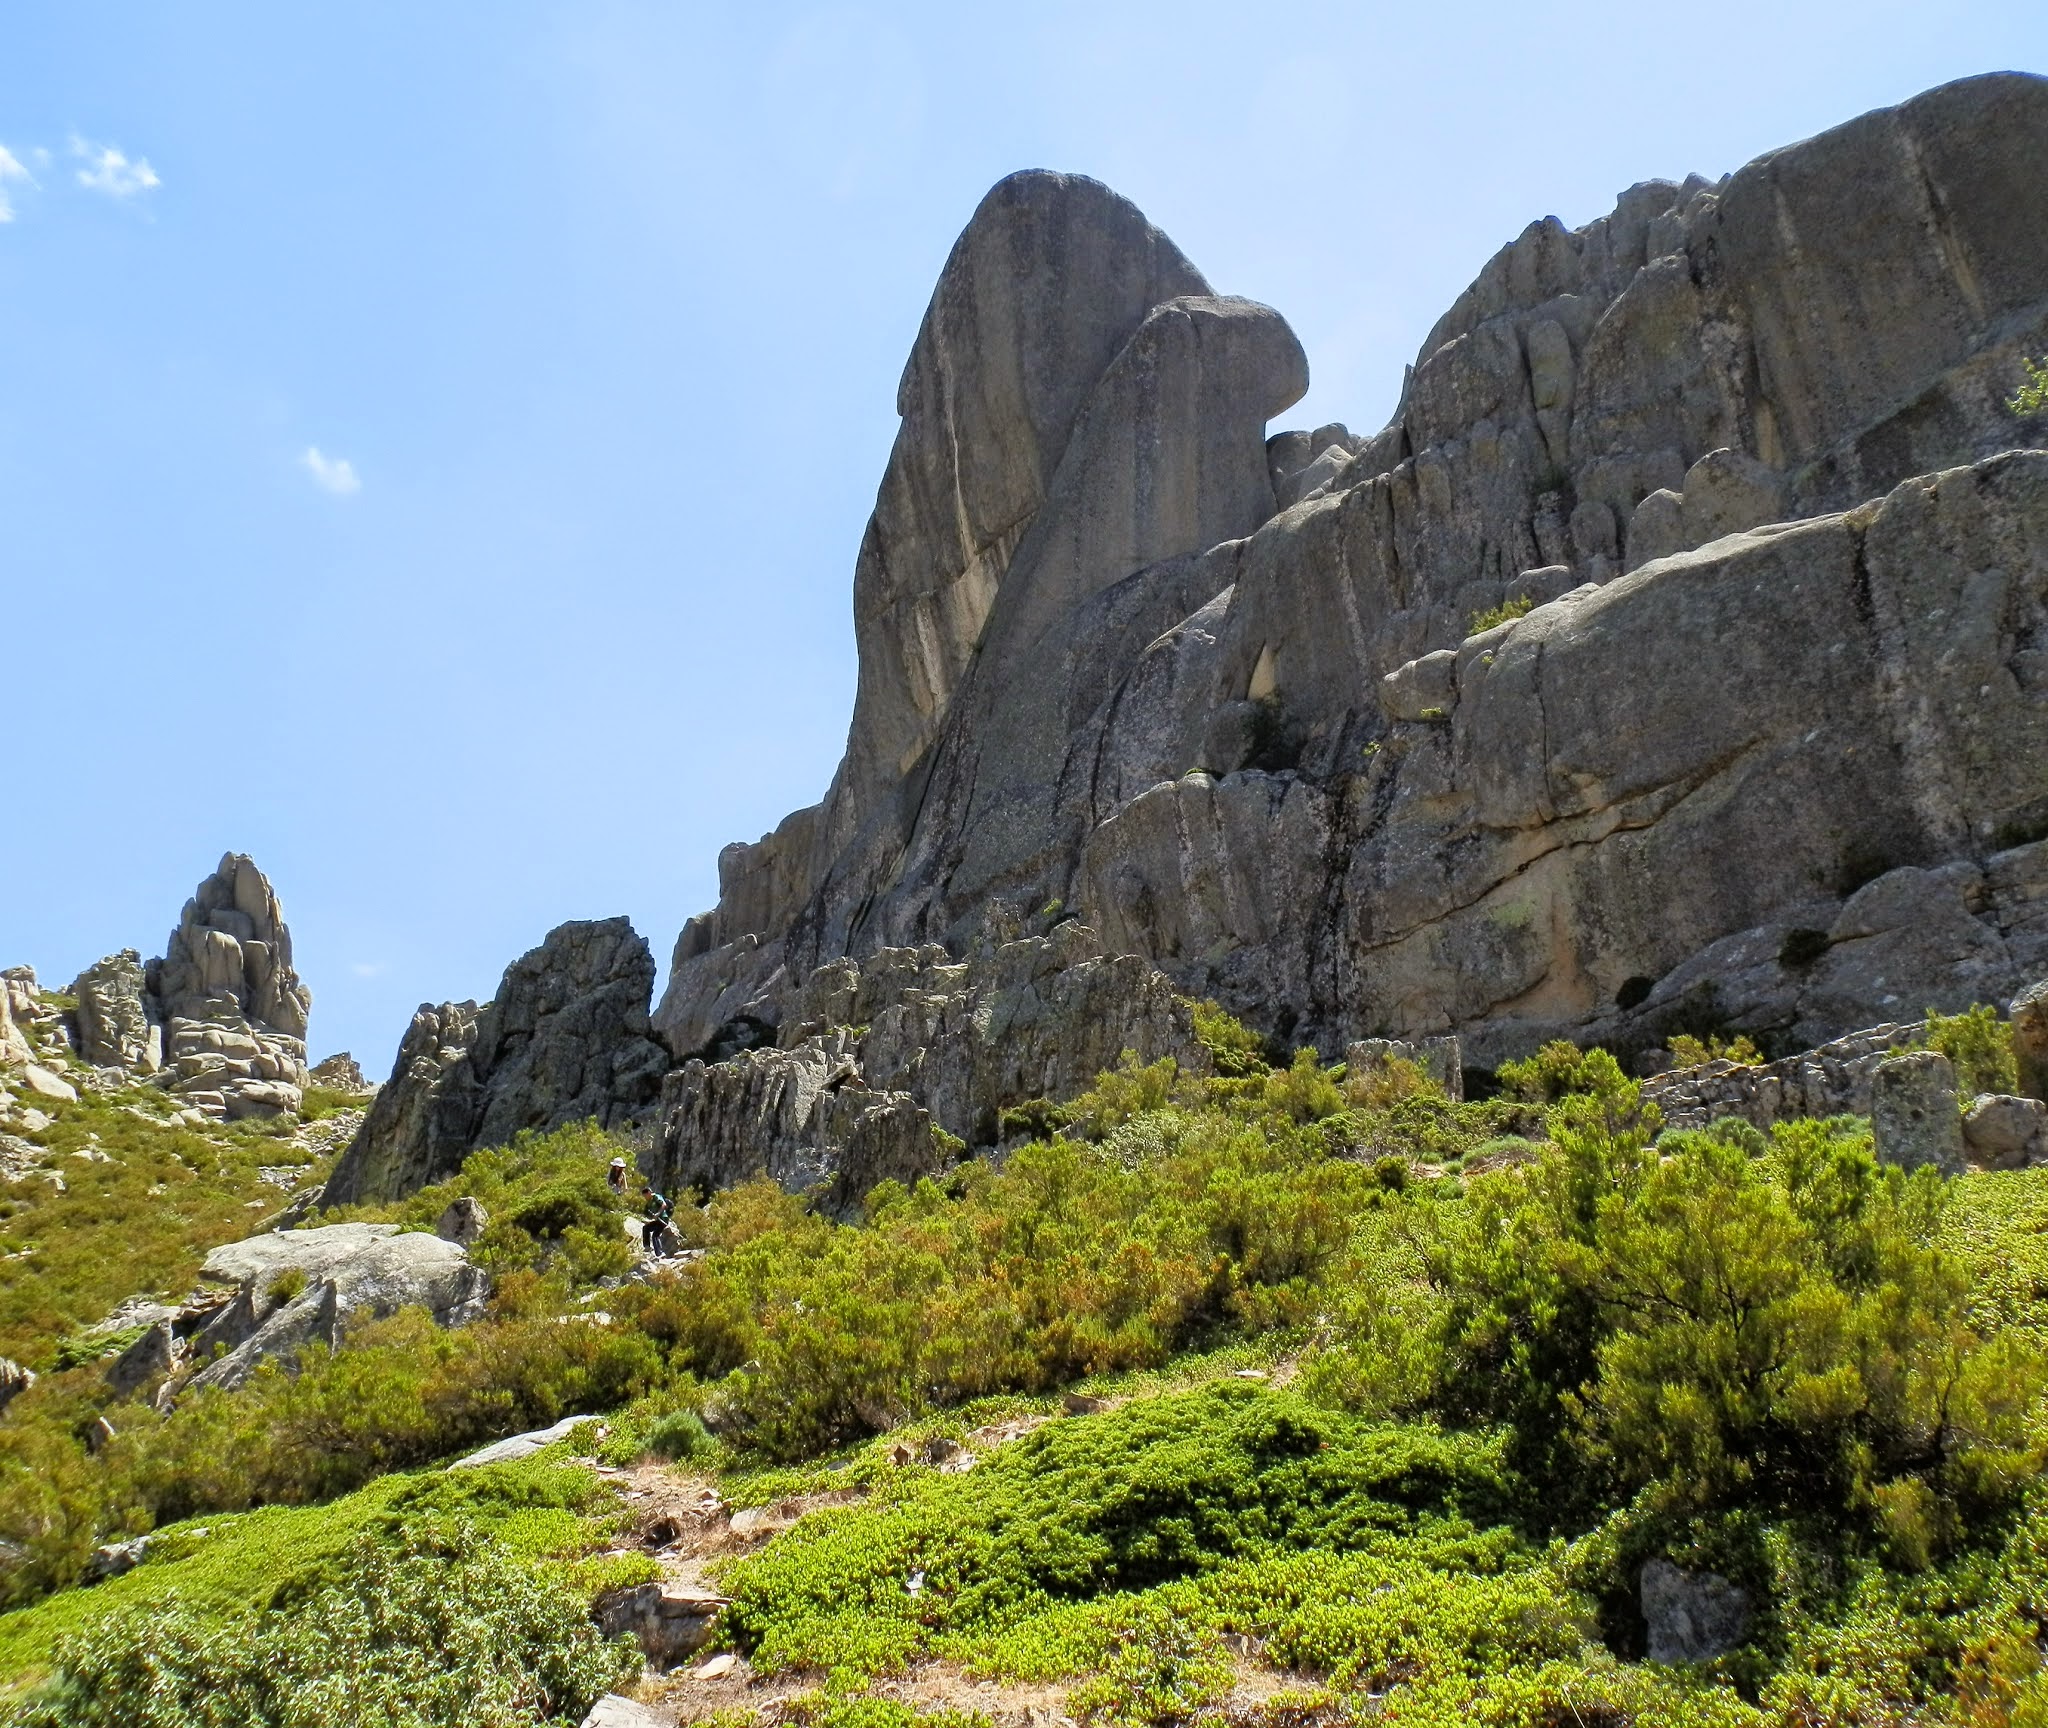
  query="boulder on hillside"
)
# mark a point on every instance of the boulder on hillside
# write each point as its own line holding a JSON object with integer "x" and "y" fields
{"x": 1691, "y": 1616}
{"x": 2004, "y": 1133}
{"x": 2029, "y": 1021}
{"x": 565, "y": 1040}
{"x": 291, "y": 1288}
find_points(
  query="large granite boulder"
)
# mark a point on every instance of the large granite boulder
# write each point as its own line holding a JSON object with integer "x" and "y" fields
{"x": 2005, "y": 1133}
{"x": 1691, "y": 1616}
{"x": 565, "y": 1040}
{"x": 116, "y": 1017}
{"x": 232, "y": 1006}
{"x": 292, "y": 1288}
{"x": 1769, "y": 751}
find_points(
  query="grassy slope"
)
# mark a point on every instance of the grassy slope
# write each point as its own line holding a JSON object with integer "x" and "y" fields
{"x": 136, "y": 1222}
{"x": 551, "y": 1514}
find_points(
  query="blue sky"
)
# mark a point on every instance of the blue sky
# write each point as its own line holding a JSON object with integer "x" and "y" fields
{"x": 434, "y": 439}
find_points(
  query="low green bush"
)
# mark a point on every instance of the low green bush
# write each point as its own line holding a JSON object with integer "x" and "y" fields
{"x": 1169, "y": 1488}
{"x": 1506, "y": 612}
{"x": 1978, "y": 1045}
{"x": 440, "y": 1626}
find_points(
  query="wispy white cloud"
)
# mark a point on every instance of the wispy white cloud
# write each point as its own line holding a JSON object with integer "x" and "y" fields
{"x": 336, "y": 474}
{"x": 110, "y": 171}
{"x": 10, "y": 170}
{"x": 366, "y": 968}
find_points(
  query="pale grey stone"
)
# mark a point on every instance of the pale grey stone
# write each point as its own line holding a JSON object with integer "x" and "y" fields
{"x": 1728, "y": 491}
{"x": 612, "y": 1711}
{"x": 462, "y": 1221}
{"x": 1422, "y": 688}
{"x": 44, "y": 1084}
{"x": 150, "y": 1357}
{"x": 2006, "y": 1133}
{"x": 116, "y": 1017}
{"x": 669, "y": 1621}
{"x": 1657, "y": 529}
{"x": 1913, "y": 1116}
{"x": 517, "y": 1446}
{"x": 344, "y": 1270}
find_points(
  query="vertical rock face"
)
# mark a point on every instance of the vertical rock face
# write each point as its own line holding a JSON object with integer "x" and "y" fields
{"x": 116, "y": 1017}
{"x": 1769, "y": 750}
{"x": 15, "y": 1050}
{"x": 565, "y": 1040}
{"x": 232, "y": 1006}
{"x": 420, "y": 1127}
{"x": 1077, "y": 406}
{"x": 231, "y": 946}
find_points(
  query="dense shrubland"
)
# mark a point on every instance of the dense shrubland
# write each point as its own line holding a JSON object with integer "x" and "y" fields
{"x": 1527, "y": 1344}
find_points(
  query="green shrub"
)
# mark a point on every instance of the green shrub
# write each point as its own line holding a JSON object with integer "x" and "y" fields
{"x": 1690, "y": 1052}
{"x": 2032, "y": 396}
{"x": 678, "y": 1436}
{"x": 1170, "y": 1488}
{"x": 443, "y": 1627}
{"x": 1558, "y": 1070}
{"x": 1507, "y": 611}
{"x": 1234, "y": 1048}
{"x": 548, "y": 1200}
{"x": 1979, "y": 1046}
{"x": 1718, "y": 1329}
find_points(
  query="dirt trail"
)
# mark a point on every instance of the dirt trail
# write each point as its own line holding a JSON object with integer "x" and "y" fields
{"x": 682, "y": 1521}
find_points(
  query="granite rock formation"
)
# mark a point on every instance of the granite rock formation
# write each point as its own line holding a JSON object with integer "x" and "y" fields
{"x": 877, "y": 1054}
{"x": 565, "y": 1040}
{"x": 336, "y": 1272}
{"x": 118, "y": 1022}
{"x": 232, "y": 1008}
{"x": 1760, "y": 744}
{"x": 1770, "y": 751}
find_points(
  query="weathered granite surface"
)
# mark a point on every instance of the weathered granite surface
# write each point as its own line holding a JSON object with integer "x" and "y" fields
{"x": 232, "y": 1007}
{"x": 876, "y": 1054}
{"x": 565, "y": 1040}
{"x": 1770, "y": 752}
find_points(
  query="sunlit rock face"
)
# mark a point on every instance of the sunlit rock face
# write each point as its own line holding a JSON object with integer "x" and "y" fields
{"x": 1766, "y": 743}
